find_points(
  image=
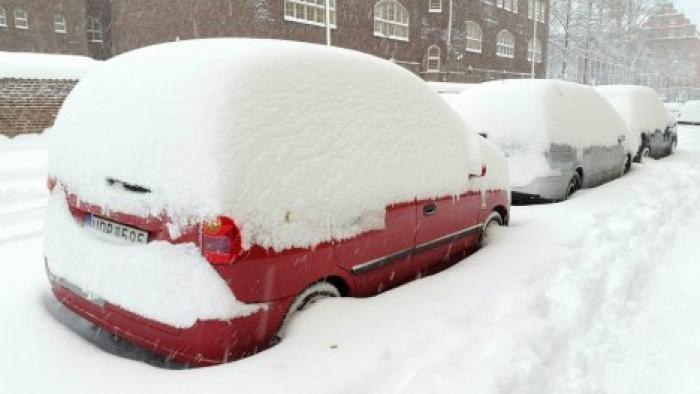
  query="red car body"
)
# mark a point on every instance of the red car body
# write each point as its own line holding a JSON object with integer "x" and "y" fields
{"x": 419, "y": 238}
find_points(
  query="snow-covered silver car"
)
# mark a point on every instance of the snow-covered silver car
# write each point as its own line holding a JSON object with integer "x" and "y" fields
{"x": 558, "y": 136}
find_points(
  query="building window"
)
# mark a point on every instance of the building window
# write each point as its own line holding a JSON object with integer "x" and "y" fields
{"x": 3, "y": 18}
{"x": 433, "y": 59}
{"x": 434, "y": 5}
{"x": 21, "y": 19}
{"x": 508, "y": 5}
{"x": 505, "y": 44}
{"x": 474, "y": 37}
{"x": 534, "y": 46}
{"x": 312, "y": 12}
{"x": 94, "y": 29}
{"x": 59, "y": 23}
{"x": 536, "y": 8}
{"x": 391, "y": 20}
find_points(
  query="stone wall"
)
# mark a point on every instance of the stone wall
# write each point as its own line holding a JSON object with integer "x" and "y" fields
{"x": 30, "y": 105}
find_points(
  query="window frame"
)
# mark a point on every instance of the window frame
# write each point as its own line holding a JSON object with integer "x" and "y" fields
{"x": 57, "y": 23}
{"x": 24, "y": 18}
{"x": 3, "y": 17}
{"x": 534, "y": 46}
{"x": 94, "y": 29}
{"x": 536, "y": 9}
{"x": 473, "y": 39}
{"x": 381, "y": 23}
{"x": 508, "y": 5}
{"x": 292, "y": 7}
{"x": 508, "y": 44}
{"x": 432, "y": 8}
{"x": 433, "y": 58}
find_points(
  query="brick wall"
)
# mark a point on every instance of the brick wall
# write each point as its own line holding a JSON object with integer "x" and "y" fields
{"x": 30, "y": 105}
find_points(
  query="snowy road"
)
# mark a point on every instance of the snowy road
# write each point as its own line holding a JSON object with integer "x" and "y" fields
{"x": 595, "y": 295}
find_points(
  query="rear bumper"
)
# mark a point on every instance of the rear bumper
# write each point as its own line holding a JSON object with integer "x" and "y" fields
{"x": 207, "y": 342}
{"x": 519, "y": 198}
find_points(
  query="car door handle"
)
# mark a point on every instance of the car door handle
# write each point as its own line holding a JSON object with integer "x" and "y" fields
{"x": 429, "y": 209}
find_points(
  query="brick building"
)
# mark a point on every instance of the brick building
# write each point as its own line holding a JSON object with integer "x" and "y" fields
{"x": 673, "y": 45}
{"x": 448, "y": 40}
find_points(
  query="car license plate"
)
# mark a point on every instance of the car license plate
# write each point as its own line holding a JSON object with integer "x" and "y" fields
{"x": 110, "y": 230}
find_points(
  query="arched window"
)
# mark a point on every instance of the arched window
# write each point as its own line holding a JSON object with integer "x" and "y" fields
{"x": 311, "y": 12}
{"x": 21, "y": 19}
{"x": 59, "y": 23}
{"x": 534, "y": 47}
{"x": 434, "y": 5}
{"x": 94, "y": 29}
{"x": 391, "y": 20}
{"x": 3, "y": 18}
{"x": 505, "y": 44}
{"x": 433, "y": 64}
{"x": 474, "y": 37}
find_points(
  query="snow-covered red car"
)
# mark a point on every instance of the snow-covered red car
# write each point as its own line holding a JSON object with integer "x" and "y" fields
{"x": 644, "y": 114}
{"x": 193, "y": 214}
{"x": 557, "y": 136}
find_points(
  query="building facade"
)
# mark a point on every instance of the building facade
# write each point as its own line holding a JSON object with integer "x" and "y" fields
{"x": 673, "y": 45}
{"x": 55, "y": 26}
{"x": 441, "y": 40}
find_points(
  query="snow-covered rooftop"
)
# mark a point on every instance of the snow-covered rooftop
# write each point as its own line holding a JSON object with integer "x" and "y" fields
{"x": 44, "y": 66}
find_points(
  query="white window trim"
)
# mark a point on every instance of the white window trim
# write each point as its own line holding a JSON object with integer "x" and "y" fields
{"x": 290, "y": 18}
{"x": 59, "y": 26}
{"x": 3, "y": 17}
{"x": 434, "y": 58}
{"x": 534, "y": 51}
{"x": 500, "y": 45}
{"x": 90, "y": 31}
{"x": 392, "y": 22}
{"x": 25, "y": 19}
{"x": 536, "y": 9}
{"x": 469, "y": 39}
{"x": 513, "y": 5}
{"x": 433, "y": 9}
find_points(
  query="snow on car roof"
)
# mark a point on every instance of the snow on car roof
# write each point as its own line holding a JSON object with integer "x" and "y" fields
{"x": 639, "y": 106}
{"x": 529, "y": 115}
{"x": 333, "y": 137}
{"x": 690, "y": 112}
{"x": 44, "y": 66}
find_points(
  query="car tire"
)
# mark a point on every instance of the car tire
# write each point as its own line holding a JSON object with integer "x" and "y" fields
{"x": 573, "y": 187}
{"x": 645, "y": 155}
{"x": 494, "y": 219}
{"x": 308, "y": 297}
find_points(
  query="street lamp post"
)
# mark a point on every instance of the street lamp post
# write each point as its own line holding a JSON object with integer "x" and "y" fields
{"x": 328, "y": 22}
{"x": 534, "y": 37}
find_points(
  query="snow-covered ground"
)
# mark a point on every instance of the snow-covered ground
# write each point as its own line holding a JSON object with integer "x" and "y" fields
{"x": 595, "y": 295}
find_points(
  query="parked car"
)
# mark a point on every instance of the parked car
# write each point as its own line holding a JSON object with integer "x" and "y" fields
{"x": 690, "y": 113}
{"x": 644, "y": 113}
{"x": 557, "y": 136}
{"x": 193, "y": 215}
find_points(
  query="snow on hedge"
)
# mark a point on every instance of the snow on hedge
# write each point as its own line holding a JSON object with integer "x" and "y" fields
{"x": 639, "y": 106}
{"x": 44, "y": 66}
{"x": 299, "y": 143}
{"x": 175, "y": 285}
{"x": 524, "y": 117}
{"x": 690, "y": 112}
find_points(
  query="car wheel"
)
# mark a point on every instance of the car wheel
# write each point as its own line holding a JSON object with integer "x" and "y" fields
{"x": 308, "y": 297}
{"x": 494, "y": 219}
{"x": 574, "y": 186}
{"x": 646, "y": 154}
{"x": 626, "y": 167}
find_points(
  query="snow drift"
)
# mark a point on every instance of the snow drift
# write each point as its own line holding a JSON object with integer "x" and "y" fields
{"x": 524, "y": 117}
{"x": 259, "y": 130}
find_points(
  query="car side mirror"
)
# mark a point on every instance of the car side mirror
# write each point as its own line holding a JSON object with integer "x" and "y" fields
{"x": 483, "y": 173}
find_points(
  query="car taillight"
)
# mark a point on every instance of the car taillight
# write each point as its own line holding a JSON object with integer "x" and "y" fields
{"x": 221, "y": 241}
{"x": 51, "y": 183}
